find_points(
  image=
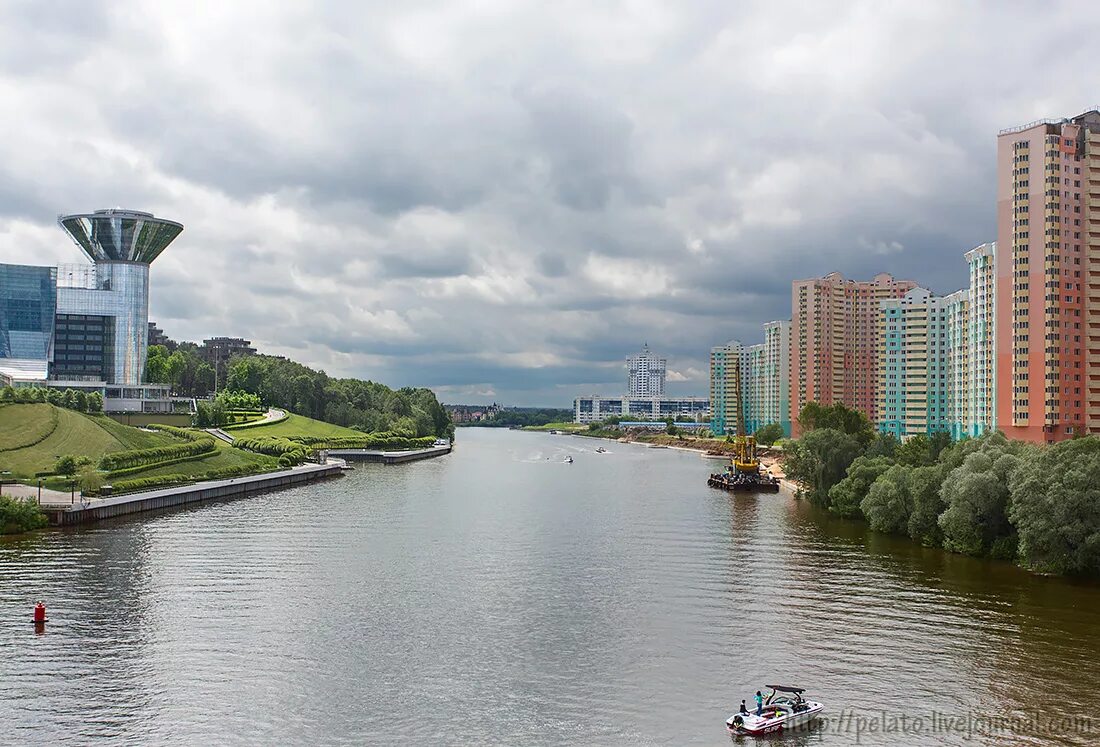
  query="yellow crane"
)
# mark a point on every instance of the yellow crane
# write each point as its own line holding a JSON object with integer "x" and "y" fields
{"x": 744, "y": 448}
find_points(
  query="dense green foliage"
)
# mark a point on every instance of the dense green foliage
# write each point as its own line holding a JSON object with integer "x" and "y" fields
{"x": 523, "y": 418}
{"x": 363, "y": 405}
{"x": 17, "y": 515}
{"x": 838, "y": 418}
{"x": 1056, "y": 508}
{"x": 819, "y": 460}
{"x": 769, "y": 434}
{"x": 987, "y": 496}
{"x": 846, "y": 497}
{"x": 70, "y": 399}
{"x": 184, "y": 370}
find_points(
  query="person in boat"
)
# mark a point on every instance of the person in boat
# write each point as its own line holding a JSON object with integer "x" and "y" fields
{"x": 759, "y": 703}
{"x": 744, "y": 710}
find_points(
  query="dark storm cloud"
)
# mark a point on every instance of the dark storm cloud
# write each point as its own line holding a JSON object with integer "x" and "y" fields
{"x": 505, "y": 204}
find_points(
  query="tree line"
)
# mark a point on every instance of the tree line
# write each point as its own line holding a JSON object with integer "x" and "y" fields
{"x": 364, "y": 405}
{"x": 70, "y": 399}
{"x": 989, "y": 496}
{"x": 524, "y": 418}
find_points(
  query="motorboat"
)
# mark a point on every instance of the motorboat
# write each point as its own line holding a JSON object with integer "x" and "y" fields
{"x": 601, "y": 450}
{"x": 784, "y": 709}
{"x": 569, "y": 460}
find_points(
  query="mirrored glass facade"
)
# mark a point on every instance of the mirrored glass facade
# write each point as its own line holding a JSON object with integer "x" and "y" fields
{"x": 120, "y": 235}
{"x": 121, "y": 292}
{"x": 28, "y": 302}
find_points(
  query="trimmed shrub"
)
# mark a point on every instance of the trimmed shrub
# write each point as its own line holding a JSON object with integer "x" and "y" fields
{"x": 198, "y": 444}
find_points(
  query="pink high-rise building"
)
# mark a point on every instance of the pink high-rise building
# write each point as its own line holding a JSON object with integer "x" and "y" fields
{"x": 1048, "y": 279}
{"x": 834, "y": 341}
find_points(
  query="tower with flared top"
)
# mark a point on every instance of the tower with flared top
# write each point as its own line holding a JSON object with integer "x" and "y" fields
{"x": 121, "y": 244}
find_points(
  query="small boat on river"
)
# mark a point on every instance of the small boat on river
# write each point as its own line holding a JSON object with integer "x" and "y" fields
{"x": 784, "y": 709}
{"x": 601, "y": 450}
{"x": 569, "y": 460}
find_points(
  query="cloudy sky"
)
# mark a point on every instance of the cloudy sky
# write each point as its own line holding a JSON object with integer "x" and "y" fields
{"x": 501, "y": 200}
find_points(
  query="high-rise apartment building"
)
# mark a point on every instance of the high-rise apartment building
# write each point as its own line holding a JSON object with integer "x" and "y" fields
{"x": 725, "y": 387}
{"x": 765, "y": 379}
{"x": 957, "y": 359}
{"x": 1048, "y": 279}
{"x": 646, "y": 374}
{"x": 913, "y": 363}
{"x": 834, "y": 350}
{"x": 979, "y": 415}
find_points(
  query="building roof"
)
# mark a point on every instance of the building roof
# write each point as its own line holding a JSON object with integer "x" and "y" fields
{"x": 120, "y": 235}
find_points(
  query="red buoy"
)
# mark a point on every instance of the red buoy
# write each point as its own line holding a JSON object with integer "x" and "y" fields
{"x": 40, "y": 613}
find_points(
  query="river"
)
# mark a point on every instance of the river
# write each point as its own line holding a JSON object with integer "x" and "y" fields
{"x": 500, "y": 596}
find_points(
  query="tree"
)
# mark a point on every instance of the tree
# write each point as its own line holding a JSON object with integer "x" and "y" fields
{"x": 837, "y": 417}
{"x": 888, "y": 503}
{"x": 819, "y": 460}
{"x": 90, "y": 479}
{"x": 769, "y": 434}
{"x": 65, "y": 465}
{"x": 976, "y": 493}
{"x": 884, "y": 444}
{"x": 156, "y": 365}
{"x": 846, "y": 496}
{"x": 670, "y": 427}
{"x": 924, "y": 490}
{"x": 1055, "y": 508}
{"x": 95, "y": 402}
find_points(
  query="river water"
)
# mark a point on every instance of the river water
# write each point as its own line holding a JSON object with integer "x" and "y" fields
{"x": 500, "y": 596}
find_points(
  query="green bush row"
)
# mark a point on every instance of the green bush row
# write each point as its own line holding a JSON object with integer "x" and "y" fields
{"x": 184, "y": 433}
{"x": 275, "y": 446}
{"x": 146, "y": 457}
{"x": 254, "y": 424}
{"x": 388, "y": 441}
{"x": 164, "y": 481}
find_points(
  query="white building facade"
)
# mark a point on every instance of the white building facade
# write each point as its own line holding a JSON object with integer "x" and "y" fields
{"x": 646, "y": 374}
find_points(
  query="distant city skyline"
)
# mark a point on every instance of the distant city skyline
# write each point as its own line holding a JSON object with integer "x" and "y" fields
{"x": 500, "y": 206}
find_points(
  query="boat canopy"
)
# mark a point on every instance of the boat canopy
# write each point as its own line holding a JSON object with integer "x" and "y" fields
{"x": 786, "y": 689}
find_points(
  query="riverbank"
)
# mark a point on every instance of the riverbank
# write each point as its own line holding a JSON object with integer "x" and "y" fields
{"x": 89, "y": 510}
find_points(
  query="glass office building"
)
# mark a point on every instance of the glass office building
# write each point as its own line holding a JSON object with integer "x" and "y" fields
{"x": 86, "y": 326}
{"x": 28, "y": 304}
{"x": 121, "y": 243}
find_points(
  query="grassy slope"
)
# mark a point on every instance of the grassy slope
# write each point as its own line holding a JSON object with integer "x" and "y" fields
{"x": 296, "y": 425}
{"x": 77, "y": 434}
{"x": 21, "y": 425}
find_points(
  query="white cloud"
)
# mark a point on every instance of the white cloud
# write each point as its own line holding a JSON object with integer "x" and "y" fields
{"x": 511, "y": 196}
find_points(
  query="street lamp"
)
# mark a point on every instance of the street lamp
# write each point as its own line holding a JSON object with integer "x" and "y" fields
{"x": 72, "y": 491}
{"x": 39, "y": 491}
{"x": 3, "y": 479}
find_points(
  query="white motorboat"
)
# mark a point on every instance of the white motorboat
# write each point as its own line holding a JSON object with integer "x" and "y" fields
{"x": 569, "y": 460}
{"x": 784, "y": 709}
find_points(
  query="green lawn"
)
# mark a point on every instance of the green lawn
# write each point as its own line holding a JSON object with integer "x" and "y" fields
{"x": 76, "y": 434}
{"x": 23, "y": 425}
{"x": 296, "y": 425}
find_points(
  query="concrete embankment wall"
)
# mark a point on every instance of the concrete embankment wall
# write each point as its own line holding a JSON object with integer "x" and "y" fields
{"x": 388, "y": 457}
{"x": 152, "y": 500}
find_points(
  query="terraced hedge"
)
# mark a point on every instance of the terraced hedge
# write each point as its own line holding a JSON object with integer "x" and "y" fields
{"x": 164, "y": 481}
{"x": 276, "y": 446}
{"x": 380, "y": 440}
{"x": 197, "y": 445}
